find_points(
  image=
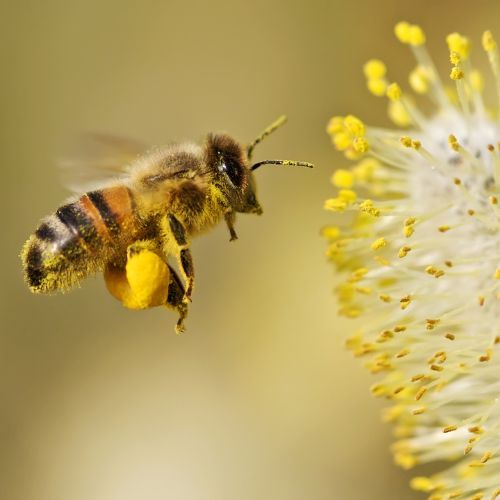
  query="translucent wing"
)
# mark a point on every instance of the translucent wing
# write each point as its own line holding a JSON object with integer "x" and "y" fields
{"x": 96, "y": 159}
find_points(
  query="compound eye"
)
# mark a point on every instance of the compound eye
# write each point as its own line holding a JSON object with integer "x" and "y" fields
{"x": 232, "y": 170}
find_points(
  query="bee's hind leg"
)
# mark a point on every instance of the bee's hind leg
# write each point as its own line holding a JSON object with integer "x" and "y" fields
{"x": 175, "y": 235}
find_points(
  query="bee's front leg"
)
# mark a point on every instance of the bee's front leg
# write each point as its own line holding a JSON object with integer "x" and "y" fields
{"x": 230, "y": 218}
{"x": 175, "y": 236}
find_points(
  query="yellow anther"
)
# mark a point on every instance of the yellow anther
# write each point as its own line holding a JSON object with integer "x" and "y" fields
{"x": 487, "y": 455}
{"x": 436, "y": 368}
{"x": 443, "y": 229}
{"x": 394, "y": 92}
{"x": 453, "y": 142}
{"x": 430, "y": 324}
{"x": 455, "y": 58}
{"x": 419, "y": 80}
{"x": 416, "y": 145}
{"x": 410, "y": 221}
{"x": 476, "y": 80}
{"x": 331, "y": 233}
{"x": 417, "y": 378}
{"x": 374, "y": 69}
{"x": 420, "y": 393}
{"x": 488, "y": 41}
{"x": 434, "y": 271}
{"x": 402, "y": 353}
{"x": 347, "y": 195}
{"x": 403, "y": 251}
{"x": 450, "y": 428}
{"x": 385, "y": 298}
{"x": 408, "y": 231}
{"x": 402, "y": 31}
{"x": 493, "y": 200}
{"x": 377, "y": 86}
{"x": 459, "y": 44}
{"x": 342, "y": 141}
{"x": 335, "y": 125}
{"x": 378, "y": 244}
{"x": 399, "y": 328}
{"x": 399, "y": 114}
{"x": 421, "y": 483}
{"x": 487, "y": 356}
{"x": 456, "y": 73}
{"x": 343, "y": 178}
{"x": 406, "y": 141}
{"x": 405, "y": 460}
{"x": 417, "y": 35}
{"x": 405, "y": 301}
{"x": 481, "y": 300}
{"x": 335, "y": 205}
{"x": 476, "y": 429}
{"x": 450, "y": 336}
{"x": 360, "y": 145}
{"x": 419, "y": 411}
{"x": 367, "y": 207}
{"x": 365, "y": 169}
{"x": 448, "y": 263}
{"x": 354, "y": 125}
{"x": 497, "y": 274}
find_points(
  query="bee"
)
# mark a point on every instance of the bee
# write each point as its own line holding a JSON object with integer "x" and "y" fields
{"x": 159, "y": 202}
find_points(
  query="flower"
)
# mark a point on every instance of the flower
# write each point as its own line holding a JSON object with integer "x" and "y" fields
{"x": 418, "y": 247}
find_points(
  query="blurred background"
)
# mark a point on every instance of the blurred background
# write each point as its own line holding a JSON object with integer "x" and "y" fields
{"x": 258, "y": 399}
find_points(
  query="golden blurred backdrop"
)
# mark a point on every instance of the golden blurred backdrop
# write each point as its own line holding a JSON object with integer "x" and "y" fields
{"x": 258, "y": 399}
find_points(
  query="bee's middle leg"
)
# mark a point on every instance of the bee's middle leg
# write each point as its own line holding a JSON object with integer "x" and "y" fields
{"x": 176, "y": 234}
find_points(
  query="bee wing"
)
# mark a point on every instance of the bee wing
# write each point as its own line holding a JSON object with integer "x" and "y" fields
{"x": 96, "y": 159}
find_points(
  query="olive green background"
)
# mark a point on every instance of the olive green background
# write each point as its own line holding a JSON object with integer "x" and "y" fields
{"x": 258, "y": 399}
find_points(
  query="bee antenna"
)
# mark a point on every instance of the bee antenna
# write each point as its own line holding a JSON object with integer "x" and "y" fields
{"x": 275, "y": 125}
{"x": 286, "y": 163}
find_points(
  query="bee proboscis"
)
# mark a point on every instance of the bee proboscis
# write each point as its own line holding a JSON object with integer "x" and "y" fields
{"x": 160, "y": 200}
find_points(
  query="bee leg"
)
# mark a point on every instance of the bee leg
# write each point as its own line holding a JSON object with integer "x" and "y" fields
{"x": 175, "y": 299}
{"x": 184, "y": 254}
{"x": 230, "y": 218}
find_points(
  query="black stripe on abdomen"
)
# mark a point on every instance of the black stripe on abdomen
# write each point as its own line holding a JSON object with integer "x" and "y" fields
{"x": 107, "y": 215}
{"x": 79, "y": 225}
{"x": 34, "y": 266}
{"x": 46, "y": 232}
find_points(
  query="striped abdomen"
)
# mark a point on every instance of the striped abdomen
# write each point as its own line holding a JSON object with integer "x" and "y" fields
{"x": 79, "y": 239}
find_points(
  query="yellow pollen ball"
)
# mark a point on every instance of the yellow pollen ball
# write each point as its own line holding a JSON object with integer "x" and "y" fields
{"x": 379, "y": 243}
{"x": 374, "y": 69}
{"x": 488, "y": 41}
{"x": 418, "y": 80}
{"x": 456, "y": 73}
{"x": 424, "y": 484}
{"x": 406, "y": 141}
{"x": 455, "y": 58}
{"x": 476, "y": 80}
{"x": 377, "y": 86}
{"x": 398, "y": 113}
{"x": 335, "y": 205}
{"x": 459, "y": 44}
{"x": 335, "y": 125}
{"x": 394, "y": 92}
{"x": 360, "y": 145}
{"x": 354, "y": 125}
{"x": 417, "y": 35}
{"x": 402, "y": 31}
{"x": 347, "y": 195}
{"x": 341, "y": 141}
{"x": 343, "y": 178}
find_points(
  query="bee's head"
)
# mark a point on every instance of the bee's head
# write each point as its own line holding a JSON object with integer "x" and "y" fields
{"x": 230, "y": 164}
{"x": 227, "y": 161}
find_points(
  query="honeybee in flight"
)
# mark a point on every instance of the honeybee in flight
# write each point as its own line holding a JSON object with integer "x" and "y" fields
{"x": 159, "y": 201}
